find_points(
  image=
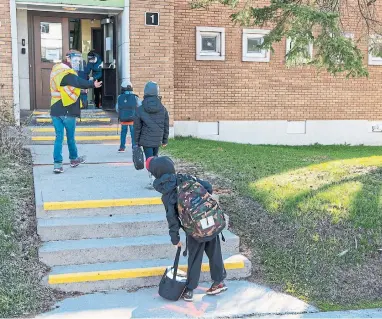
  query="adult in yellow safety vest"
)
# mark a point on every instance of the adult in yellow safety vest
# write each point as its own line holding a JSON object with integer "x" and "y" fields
{"x": 65, "y": 88}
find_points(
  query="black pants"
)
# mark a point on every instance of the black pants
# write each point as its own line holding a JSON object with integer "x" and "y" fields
{"x": 195, "y": 259}
{"x": 97, "y": 97}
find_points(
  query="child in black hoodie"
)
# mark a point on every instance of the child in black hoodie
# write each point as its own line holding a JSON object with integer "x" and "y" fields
{"x": 166, "y": 182}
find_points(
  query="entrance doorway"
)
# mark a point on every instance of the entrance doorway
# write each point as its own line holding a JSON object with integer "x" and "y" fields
{"x": 51, "y": 38}
{"x": 51, "y": 42}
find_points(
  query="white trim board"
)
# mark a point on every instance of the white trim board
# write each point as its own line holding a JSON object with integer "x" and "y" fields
{"x": 54, "y": 7}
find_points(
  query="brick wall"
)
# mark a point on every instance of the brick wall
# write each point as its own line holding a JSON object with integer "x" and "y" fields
{"x": 236, "y": 90}
{"x": 152, "y": 48}
{"x": 6, "y": 93}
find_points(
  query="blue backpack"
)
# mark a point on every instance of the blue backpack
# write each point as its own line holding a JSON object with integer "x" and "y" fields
{"x": 127, "y": 104}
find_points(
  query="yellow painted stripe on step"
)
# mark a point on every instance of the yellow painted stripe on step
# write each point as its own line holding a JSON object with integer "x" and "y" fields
{"x": 128, "y": 273}
{"x": 84, "y": 119}
{"x": 46, "y": 112}
{"x": 40, "y": 112}
{"x": 80, "y": 138}
{"x": 78, "y": 129}
{"x": 102, "y": 203}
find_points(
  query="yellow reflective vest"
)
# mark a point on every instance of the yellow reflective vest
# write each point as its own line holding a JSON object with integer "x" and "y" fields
{"x": 68, "y": 94}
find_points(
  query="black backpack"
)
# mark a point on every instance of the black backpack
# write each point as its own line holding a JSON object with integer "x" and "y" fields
{"x": 138, "y": 158}
{"x": 127, "y": 104}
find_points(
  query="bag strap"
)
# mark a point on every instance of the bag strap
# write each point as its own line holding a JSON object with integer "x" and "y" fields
{"x": 176, "y": 262}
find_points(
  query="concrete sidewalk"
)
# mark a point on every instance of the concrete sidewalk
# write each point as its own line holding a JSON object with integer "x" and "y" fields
{"x": 241, "y": 299}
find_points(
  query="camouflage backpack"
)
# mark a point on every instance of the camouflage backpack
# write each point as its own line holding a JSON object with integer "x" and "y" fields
{"x": 200, "y": 214}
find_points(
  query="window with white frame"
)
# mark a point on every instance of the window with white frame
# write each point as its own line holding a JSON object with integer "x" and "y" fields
{"x": 347, "y": 35}
{"x": 289, "y": 46}
{"x": 375, "y": 50}
{"x": 210, "y": 43}
{"x": 252, "y": 40}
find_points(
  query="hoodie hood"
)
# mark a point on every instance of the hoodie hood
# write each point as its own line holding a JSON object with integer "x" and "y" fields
{"x": 151, "y": 89}
{"x": 160, "y": 166}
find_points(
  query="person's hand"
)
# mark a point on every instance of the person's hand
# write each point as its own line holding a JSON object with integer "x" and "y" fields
{"x": 164, "y": 145}
{"x": 178, "y": 245}
{"x": 97, "y": 84}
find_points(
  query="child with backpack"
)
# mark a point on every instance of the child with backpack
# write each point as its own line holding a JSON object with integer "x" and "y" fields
{"x": 189, "y": 205}
{"x": 127, "y": 104}
{"x": 151, "y": 125}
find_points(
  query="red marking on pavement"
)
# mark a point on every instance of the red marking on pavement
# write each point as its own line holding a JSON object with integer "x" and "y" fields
{"x": 189, "y": 309}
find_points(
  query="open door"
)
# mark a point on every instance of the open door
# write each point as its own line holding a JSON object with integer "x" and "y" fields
{"x": 51, "y": 36}
{"x": 109, "y": 87}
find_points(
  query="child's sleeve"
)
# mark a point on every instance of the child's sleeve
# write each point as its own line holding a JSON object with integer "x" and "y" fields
{"x": 116, "y": 105}
{"x": 137, "y": 127}
{"x": 166, "y": 129}
{"x": 206, "y": 185}
{"x": 173, "y": 224}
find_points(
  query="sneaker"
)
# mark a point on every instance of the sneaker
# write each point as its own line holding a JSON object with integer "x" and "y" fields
{"x": 58, "y": 169}
{"x": 188, "y": 295}
{"x": 150, "y": 186}
{"x": 217, "y": 288}
{"x": 77, "y": 161}
{"x": 121, "y": 150}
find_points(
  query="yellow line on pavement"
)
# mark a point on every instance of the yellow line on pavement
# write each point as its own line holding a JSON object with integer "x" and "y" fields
{"x": 102, "y": 203}
{"x": 128, "y": 273}
{"x": 80, "y": 138}
{"x": 78, "y": 129}
{"x": 84, "y": 119}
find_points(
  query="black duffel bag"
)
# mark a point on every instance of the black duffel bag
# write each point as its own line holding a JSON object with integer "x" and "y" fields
{"x": 172, "y": 287}
{"x": 138, "y": 158}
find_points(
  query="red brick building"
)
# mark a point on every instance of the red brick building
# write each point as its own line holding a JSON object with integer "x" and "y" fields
{"x": 213, "y": 80}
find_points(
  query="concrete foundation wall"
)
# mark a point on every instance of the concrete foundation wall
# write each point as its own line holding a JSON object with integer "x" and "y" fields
{"x": 354, "y": 132}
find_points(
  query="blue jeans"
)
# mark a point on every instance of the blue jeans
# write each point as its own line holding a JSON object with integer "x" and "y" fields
{"x": 124, "y": 133}
{"x": 84, "y": 100}
{"x": 150, "y": 151}
{"x": 69, "y": 124}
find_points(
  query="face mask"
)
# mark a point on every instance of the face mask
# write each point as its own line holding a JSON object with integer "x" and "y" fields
{"x": 92, "y": 59}
{"x": 77, "y": 63}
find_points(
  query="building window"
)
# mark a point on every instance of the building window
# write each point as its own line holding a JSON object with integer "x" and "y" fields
{"x": 309, "y": 48}
{"x": 210, "y": 43}
{"x": 348, "y": 35}
{"x": 252, "y": 39}
{"x": 375, "y": 50}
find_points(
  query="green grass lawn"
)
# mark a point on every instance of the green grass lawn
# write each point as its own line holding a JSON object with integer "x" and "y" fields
{"x": 320, "y": 234}
{"x": 21, "y": 291}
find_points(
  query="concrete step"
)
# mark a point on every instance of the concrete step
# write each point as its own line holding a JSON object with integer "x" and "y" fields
{"x": 80, "y": 131}
{"x": 133, "y": 274}
{"x": 93, "y": 112}
{"x": 111, "y": 226}
{"x": 86, "y": 251}
{"x": 105, "y": 207}
{"x": 129, "y": 225}
{"x": 95, "y": 139}
{"x": 84, "y": 121}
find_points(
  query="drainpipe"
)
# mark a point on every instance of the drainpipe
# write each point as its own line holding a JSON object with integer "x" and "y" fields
{"x": 15, "y": 63}
{"x": 126, "y": 41}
